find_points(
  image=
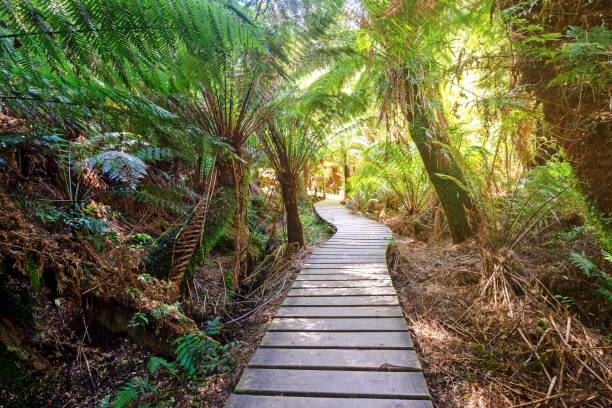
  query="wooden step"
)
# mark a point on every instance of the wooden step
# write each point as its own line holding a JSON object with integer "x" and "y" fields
{"x": 389, "y": 290}
{"x": 340, "y": 300}
{"x": 328, "y": 383}
{"x": 343, "y": 284}
{"x": 267, "y": 401}
{"x": 370, "y": 340}
{"x": 336, "y": 359}
{"x": 360, "y": 324}
{"x": 340, "y": 311}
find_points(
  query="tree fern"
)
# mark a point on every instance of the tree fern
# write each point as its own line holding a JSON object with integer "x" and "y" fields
{"x": 119, "y": 166}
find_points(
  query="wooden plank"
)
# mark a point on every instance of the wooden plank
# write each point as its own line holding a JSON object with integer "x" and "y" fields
{"x": 316, "y": 259}
{"x": 343, "y": 291}
{"x": 343, "y": 284}
{"x": 341, "y": 311}
{"x": 371, "y": 340}
{"x": 267, "y": 401}
{"x": 333, "y": 253}
{"x": 342, "y": 269}
{"x": 341, "y": 277}
{"x": 340, "y": 300}
{"x": 350, "y": 256}
{"x": 334, "y": 383}
{"x": 339, "y": 324}
{"x": 336, "y": 359}
{"x": 348, "y": 261}
{"x": 345, "y": 265}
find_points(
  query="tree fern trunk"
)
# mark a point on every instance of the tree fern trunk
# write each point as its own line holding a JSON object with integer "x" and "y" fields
{"x": 295, "y": 230}
{"x": 454, "y": 200}
{"x": 233, "y": 173}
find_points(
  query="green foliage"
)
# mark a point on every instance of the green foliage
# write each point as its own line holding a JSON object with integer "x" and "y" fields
{"x": 167, "y": 310}
{"x": 138, "y": 319}
{"x": 33, "y": 272}
{"x": 157, "y": 362}
{"x": 139, "y": 240}
{"x": 393, "y": 175}
{"x": 130, "y": 391}
{"x": 314, "y": 228}
{"x": 199, "y": 353}
{"x": 604, "y": 280}
{"x": 119, "y": 166}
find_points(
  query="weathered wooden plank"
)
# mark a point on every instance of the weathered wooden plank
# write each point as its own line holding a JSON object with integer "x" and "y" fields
{"x": 343, "y": 269}
{"x": 336, "y": 359}
{"x": 342, "y": 277}
{"x": 343, "y": 284}
{"x": 341, "y": 311}
{"x": 334, "y": 383}
{"x": 266, "y": 401}
{"x": 371, "y": 340}
{"x": 343, "y": 291}
{"x": 338, "y": 324}
{"x": 340, "y": 300}
{"x": 347, "y": 260}
{"x": 345, "y": 265}
{"x": 335, "y": 253}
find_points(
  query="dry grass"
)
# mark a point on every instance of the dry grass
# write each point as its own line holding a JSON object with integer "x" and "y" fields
{"x": 477, "y": 353}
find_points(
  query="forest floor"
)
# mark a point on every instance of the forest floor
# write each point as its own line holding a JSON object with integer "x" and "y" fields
{"x": 84, "y": 365}
{"x": 476, "y": 354}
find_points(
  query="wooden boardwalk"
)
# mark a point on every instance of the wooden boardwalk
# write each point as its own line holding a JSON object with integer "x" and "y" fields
{"x": 339, "y": 339}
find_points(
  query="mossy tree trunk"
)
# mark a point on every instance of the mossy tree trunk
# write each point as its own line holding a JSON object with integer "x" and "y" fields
{"x": 578, "y": 113}
{"x": 454, "y": 200}
{"x": 233, "y": 173}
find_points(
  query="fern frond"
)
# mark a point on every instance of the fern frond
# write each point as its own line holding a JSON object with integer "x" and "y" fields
{"x": 156, "y": 362}
{"x": 119, "y": 166}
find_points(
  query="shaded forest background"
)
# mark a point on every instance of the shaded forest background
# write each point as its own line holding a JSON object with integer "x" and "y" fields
{"x": 156, "y": 159}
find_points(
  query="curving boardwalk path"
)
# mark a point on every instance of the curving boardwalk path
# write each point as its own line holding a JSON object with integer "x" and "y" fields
{"x": 339, "y": 339}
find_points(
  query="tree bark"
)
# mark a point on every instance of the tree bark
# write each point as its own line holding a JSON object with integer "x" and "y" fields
{"x": 453, "y": 199}
{"x": 578, "y": 114}
{"x": 295, "y": 231}
{"x": 233, "y": 173}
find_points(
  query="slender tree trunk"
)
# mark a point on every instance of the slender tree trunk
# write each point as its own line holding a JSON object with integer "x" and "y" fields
{"x": 346, "y": 174}
{"x": 295, "y": 231}
{"x": 233, "y": 173}
{"x": 454, "y": 200}
{"x": 306, "y": 173}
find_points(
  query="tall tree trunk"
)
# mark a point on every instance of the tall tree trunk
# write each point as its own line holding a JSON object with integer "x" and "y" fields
{"x": 578, "y": 114}
{"x": 295, "y": 231}
{"x": 454, "y": 200}
{"x": 234, "y": 173}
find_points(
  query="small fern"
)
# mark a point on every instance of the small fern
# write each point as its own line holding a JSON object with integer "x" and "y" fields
{"x": 128, "y": 393}
{"x": 33, "y": 271}
{"x": 581, "y": 262}
{"x": 125, "y": 396}
{"x": 198, "y": 352}
{"x": 604, "y": 280}
{"x": 156, "y": 362}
